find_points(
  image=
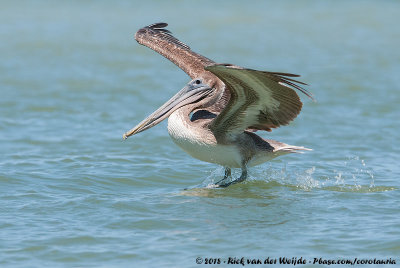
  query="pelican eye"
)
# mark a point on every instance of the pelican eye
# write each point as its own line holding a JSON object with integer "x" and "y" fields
{"x": 197, "y": 82}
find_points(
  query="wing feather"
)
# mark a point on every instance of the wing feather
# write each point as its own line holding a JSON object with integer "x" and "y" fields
{"x": 161, "y": 40}
{"x": 258, "y": 100}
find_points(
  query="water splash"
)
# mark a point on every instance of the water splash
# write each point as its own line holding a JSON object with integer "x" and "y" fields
{"x": 306, "y": 181}
{"x": 349, "y": 175}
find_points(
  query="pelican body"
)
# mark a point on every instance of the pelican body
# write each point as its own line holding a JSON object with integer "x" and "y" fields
{"x": 214, "y": 117}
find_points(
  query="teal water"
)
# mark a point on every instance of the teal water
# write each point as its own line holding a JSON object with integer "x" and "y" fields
{"x": 73, "y": 80}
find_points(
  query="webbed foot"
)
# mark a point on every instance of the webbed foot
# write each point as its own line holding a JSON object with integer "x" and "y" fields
{"x": 242, "y": 178}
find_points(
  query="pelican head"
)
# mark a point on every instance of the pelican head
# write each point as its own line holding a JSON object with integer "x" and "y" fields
{"x": 193, "y": 92}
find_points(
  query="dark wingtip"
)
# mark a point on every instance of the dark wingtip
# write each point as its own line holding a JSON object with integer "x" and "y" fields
{"x": 158, "y": 30}
{"x": 294, "y": 83}
{"x": 158, "y": 25}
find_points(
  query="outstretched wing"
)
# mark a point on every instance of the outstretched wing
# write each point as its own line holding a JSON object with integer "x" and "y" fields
{"x": 161, "y": 40}
{"x": 250, "y": 100}
{"x": 258, "y": 100}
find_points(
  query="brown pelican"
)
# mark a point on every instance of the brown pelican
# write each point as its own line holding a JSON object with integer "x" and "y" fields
{"x": 214, "y": 116}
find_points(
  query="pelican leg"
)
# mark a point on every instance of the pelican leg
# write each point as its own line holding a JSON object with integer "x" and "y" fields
{"x": 227, "y": 174}
{"x": 242, "y": 177}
